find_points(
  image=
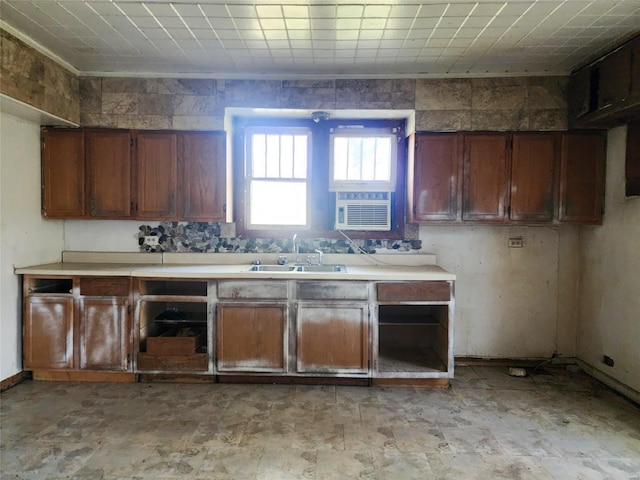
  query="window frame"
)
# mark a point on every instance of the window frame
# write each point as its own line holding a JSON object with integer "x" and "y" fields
{"x": 249, "y": 178}
{"x": 321, "y": 204}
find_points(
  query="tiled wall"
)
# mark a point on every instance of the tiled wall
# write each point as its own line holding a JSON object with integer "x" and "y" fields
{"x": 32, "y": 78}
{"x": 506, "y": 103}
{"x": 215, "y": 238}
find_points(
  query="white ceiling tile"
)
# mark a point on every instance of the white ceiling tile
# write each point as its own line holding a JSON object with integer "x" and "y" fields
{"x": 459, "y": 9}
{"x": 251, "y": 34}
{"x": 371, "y": 34}
{"x": 242, "y": 11}
{"x": 301, "y": 44}
{"x": 348, "y": 23}
{"x": 298, "y": 23}
{"x": 322, "y": 11}
{"x": 171, "y": 22}
{"x": 404, "y": 11}
{"x": 444, "y": 32}
{"x": 153, "y": 33}
{"x": 275, "y": 34}
{"x": 247, "y": 23}
{"x": 380, "y": 11}
{"x": 256, "y": 44}
{"x": 158, "y": 9}
{"x": 346, "y": 44}
{"x": 350, "y": 11}
{"x": 373, "y": 23}
{"x": 228, "y": 34}
{"x": 278, "y": 43}
{"x": 451, "y": 22}
{"x": 272, "y": 23}
{"x": 347, "y": 34}
{"x": 221, "y": 23}
{"x": 145, "y": 22}
{"x": 428, "y": 10}
{"x": 323, "y": 23}
{"x": 404, "y": 23}
{"x": 269, "y": 11}
{"x": 394, "y": 34}
{"x": 324, "y": 35}
{"x": 477, "y": 22}
{"x": 299, "y": 34}
{"x": 196, "y": 22}
{"x": 295, "y": 11}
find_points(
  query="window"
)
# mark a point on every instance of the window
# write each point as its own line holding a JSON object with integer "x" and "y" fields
{"x": 363, "y": 160}
{"x": 289, "y": 171}
{"x": 277, "y": 173}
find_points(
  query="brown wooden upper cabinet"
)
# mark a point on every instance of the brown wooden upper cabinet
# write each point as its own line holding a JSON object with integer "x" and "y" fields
{"x": 202, "y": 167}
{"x": 533, "y": 177}
{"x": 156, "y": 175}
{"x": 108, "y": 160}
{"x": 486, "y": 177}
{"x": 433, "y": 177}
{"x": 63, "y": 173}
{"x": 582, "y": 164}
{"x": 614, "y": 77}
{"x": 115, "y": 174}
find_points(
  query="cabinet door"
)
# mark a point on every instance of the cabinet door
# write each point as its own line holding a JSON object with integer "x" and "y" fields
{"x": 635, "y": 68}
{"x": 435, "y": 177}
{"x": 533, "y": 166}
{"x": 48, "y": 332}
{"x": 615, "y": 77}
{"x": 157, "y": 175}
{"x": 109, "y": 173}
{"x": 580, "y": 93}
{"x": 582, "y": 177}
{"x": 252, "y": 338}
{"x": 486, "y": 177}
{"x": 332, "y": 338}
{"x": 63, "y": 180}
{"x": 104, "y": 333}
{"x": 202, "y": 161}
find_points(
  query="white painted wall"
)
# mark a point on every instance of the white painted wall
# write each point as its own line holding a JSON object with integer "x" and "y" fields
{"x": 609, "y": 308}
{"x": 510, "y": 302}
{"x": 25, "y": 238}
{"x": 102, "y": 235}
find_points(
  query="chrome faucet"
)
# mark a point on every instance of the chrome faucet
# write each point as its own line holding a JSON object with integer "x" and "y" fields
{"x": 320, "y": 256}
{"x": 296, "y": 247}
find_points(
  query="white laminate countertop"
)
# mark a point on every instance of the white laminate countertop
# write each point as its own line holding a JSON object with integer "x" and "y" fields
{"x": 356, "y": 270}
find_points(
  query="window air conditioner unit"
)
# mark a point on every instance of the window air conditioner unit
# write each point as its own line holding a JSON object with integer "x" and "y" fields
{"x": 363, "y": 211}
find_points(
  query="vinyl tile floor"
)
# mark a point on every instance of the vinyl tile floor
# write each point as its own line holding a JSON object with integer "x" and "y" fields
{"x": 486, "y": 426}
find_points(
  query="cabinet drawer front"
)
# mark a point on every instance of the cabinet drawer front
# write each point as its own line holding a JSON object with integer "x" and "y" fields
{"x": 414, "y": 292}
{"x": 339, "y": 290}
{"x": 244, "y": 289}
{"x": 105, "y": 286}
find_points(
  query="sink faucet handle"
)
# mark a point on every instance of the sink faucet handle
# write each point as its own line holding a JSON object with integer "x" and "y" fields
{"x": 283, "y": 260}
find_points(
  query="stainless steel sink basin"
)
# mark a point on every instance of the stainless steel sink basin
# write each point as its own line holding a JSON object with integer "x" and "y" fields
{"x": 271, "y": 268}
{"x": 322, "y": 268}
{"x": 297, "y": 268}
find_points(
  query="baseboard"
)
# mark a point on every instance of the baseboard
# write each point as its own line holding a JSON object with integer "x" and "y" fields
{"x": 13, "y": 380}
{"x": 611, "y": 382}
{"x": 511, "y": 362}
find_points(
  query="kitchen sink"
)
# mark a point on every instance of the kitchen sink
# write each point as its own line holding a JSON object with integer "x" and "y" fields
{"x": 322, "y": 268}
{"x": 297, "y": 268}
{"x": 271, "y": 268}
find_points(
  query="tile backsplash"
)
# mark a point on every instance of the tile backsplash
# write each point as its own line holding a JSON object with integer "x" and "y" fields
{"x": 194, "y": 237}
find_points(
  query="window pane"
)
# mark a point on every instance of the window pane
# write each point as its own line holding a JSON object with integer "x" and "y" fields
{"x": 301, "y": 154}
{"x": 258, "y": 152}
{"x": 340, "y": 150}
{"x": 286, "y": 156}
{"x": 355, "y": 159}
{"x": 362, "y": 159}
{"x": 273, "y": 156}
{"x": 278, "y": 203}
{"x": 383, "y": 159}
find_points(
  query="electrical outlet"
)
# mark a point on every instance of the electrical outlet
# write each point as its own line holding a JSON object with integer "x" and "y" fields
{"x": 516, "y": 242}
{"x": 151, "y": 240}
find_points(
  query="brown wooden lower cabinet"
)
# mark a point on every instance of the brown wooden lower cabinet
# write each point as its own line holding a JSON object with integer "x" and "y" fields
{"x": 332, "y": 338}
{"x": 310, "y": 329}
{"x": 252, "y": 337}
{"x": 48, "y": 332}
{"x": 103, "y": 333}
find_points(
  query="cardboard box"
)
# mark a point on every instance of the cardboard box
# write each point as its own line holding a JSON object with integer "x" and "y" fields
{"x": 168, "y": 344}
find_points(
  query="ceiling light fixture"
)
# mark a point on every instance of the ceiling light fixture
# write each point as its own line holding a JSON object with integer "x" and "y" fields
{"x": 317, "y": 116}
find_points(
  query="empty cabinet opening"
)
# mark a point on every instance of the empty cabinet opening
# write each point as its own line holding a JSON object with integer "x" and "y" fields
{"x": 50, "y": 285}
{"x": 174, "y": 323}
{"x": 173, "y": 288}
{"x": 413, "y": 338}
